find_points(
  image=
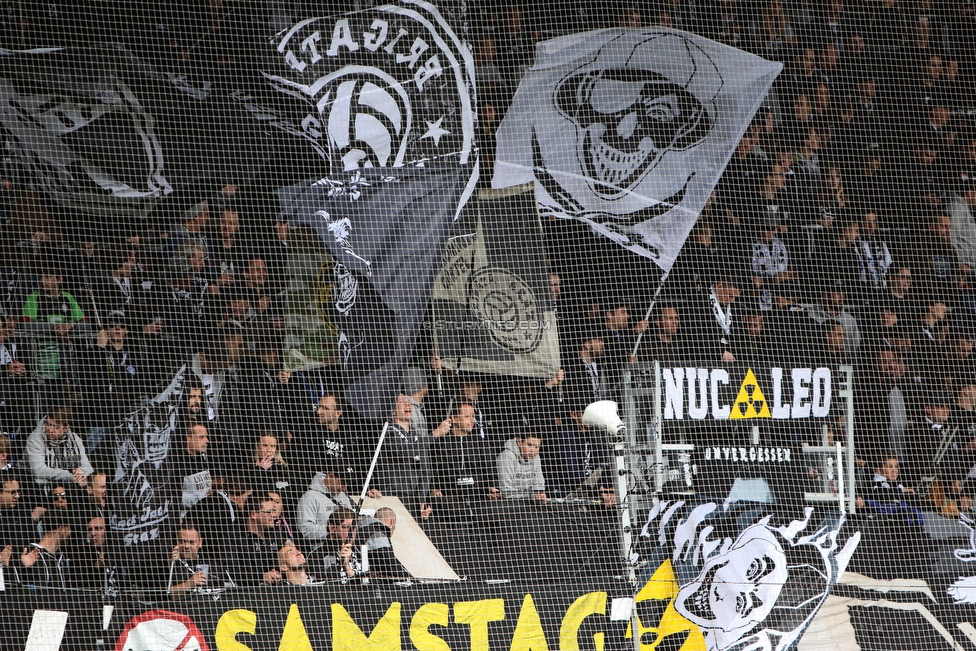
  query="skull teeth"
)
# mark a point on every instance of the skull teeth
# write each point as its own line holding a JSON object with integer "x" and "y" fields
{"x": 613, "y": 166}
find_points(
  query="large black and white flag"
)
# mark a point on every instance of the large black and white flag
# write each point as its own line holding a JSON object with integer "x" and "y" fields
{"x": 491, "y": 302}
{"x": 386, "y": 230}
{"x": 629, "y": 131}
{"x": 99, "y": 130}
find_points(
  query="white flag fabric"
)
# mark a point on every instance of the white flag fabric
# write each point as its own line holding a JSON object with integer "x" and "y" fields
{"x": 630, "y": 130}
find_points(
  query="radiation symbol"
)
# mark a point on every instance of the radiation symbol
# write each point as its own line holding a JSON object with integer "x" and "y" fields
{"x": 661, "y": 627}
{"x": 750, "y": 403}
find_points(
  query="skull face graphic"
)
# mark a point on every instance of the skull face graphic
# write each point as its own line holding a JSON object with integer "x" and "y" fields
{"x": 737, "y": 590}
{"x": 627, "y": 117}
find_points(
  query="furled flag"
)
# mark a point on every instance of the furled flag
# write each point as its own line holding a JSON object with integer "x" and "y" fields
{"x": 386, "y": 230}
{"x": 491, "y": 302}
{"x": 140, "y": 495}
{"x": 629, "y": 131}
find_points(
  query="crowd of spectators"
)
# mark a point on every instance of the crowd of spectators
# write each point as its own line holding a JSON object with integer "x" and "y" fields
{"x": 841, "y": 233}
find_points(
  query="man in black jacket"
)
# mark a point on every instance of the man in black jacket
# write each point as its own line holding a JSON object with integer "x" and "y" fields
{"x": 463, "y": 465}
{"x": 44, "y": 563}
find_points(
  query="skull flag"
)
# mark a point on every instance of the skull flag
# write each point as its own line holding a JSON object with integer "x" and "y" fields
{"x": 629, "y": 131}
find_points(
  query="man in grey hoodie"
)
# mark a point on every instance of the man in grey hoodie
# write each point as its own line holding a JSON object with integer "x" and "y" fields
{"x": 55, "y": 453}
{"x": 325, "y": 494}
{"x": 520, "y": 469}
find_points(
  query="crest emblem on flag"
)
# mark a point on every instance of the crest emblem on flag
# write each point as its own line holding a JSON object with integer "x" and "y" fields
{"x": 379, "y": 88}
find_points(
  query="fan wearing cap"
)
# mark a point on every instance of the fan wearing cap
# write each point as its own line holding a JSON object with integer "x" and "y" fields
{"x": 114, "y": 378}
{"x": 926, "y": 435}
{"x": 325, "y": 494}
{"x": 838, "y": 255}
{"x": 774, "y": 277}
{"x": 51, "y": 315}
{"x": 715, "y": 321}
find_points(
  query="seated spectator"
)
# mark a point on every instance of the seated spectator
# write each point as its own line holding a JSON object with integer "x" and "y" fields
{"x": 193, "y": 228}
{"x": 774, "y": 276}
{"x": 114, "y": 376}
{"x": 17, "y": 527}
{"x": 520, "y": 469}
{"x": 325, "y": 494}
{"x": 886, "y": 485}
{"x": 714, "y": 321}
{"x": 281, "y": 524}
{"x": 619, "y": 338}
{"x": 291, "y": 566}
{"x": 265, "y": 393}
{"x": 265, "y": 306}
{"x": 942, "y": 269}
{"x": 874, "y": 256}
{"x": 125, "y": 287}
{"x": 6, "y": 453}
{"x": 328, "y": 439}
{"x": 666, "y": 342}
{"x": 832, "y": 308}
{"x": 228, "y": 253}
{"x": 341, "y": 558}
{"x": 43, "y": 564}
{"x": 190, "y": 467}
{"x": 192, "y": 568}
{"x": 376, "y": 534}
{"x": 98, "y": 491}
{"x": 220, "y": 512}
{"x": 191, "y": 312}
{"x": 96, "y": 565}
{"x": 55, "y": 453}
{"x": 257, "y": 543}
{"x": 269, "y": 470}
{"x": 887, "y": 494}
{"x": 924, "y": 441}
{"x": 15, "y": 382}
{"x": 586, "y": 377}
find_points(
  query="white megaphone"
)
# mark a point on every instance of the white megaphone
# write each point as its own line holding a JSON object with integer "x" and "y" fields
{"x": 603, "y": 415}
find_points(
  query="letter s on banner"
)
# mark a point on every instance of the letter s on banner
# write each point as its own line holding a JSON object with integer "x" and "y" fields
{"x": 231, "y": 623}
{"x": 593, "y": 603}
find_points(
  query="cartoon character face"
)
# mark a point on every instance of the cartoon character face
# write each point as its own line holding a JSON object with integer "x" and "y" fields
{"x": 738, "y": 589}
